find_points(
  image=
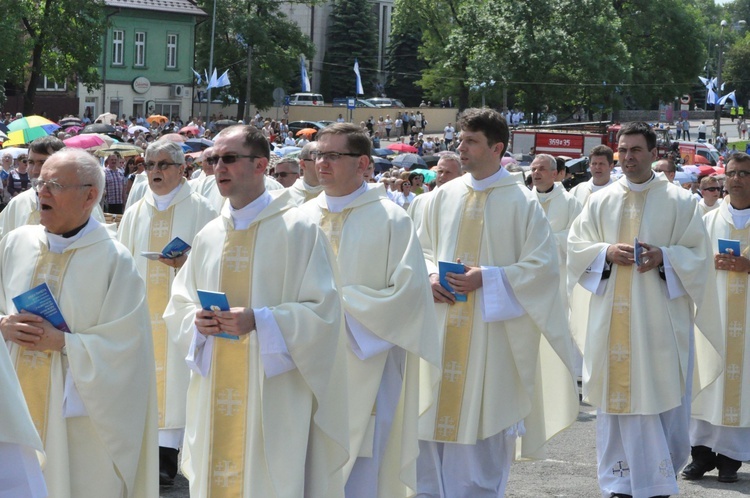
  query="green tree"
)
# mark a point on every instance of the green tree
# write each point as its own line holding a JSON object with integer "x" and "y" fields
{"x": 736, "y": 72}
{"x": 404, "y": 66}
{"x": 59, "y": 39}
{"x": 258, "y": 31}
{"x": 351, "y": 35}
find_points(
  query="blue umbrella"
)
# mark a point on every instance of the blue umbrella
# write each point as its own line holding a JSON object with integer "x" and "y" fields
{"x": 283, "y": 151}
{"x": 382, "y": 152}
{"x": 408, "y": 161}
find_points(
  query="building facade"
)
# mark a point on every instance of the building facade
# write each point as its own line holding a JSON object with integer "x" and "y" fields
{"x": 146, "y": 61}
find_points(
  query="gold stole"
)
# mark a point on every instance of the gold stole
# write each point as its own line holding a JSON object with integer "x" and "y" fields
{"x": 34, "y": 368}
{"x": 157, "y": 295}
{"x": 33, "y": 217}
{"x": 309, "y": 195}
{"x": 619, "y": 367}
{"x": 459, "y": 323}
{"x": 332, "y": 225}
{"x": 735, "y": 337}
{"x": 230, "y": 365}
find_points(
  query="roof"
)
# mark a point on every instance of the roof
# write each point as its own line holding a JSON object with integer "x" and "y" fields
{"x": 174, "y": 6}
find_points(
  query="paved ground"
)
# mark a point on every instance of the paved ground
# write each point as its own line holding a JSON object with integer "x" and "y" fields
{"x": 570, "y": 471}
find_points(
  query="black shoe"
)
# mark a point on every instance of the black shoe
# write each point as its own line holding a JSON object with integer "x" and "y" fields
{"x": 727, "y": 475}
{"x": 694, "y": 471}
{"x": 165, "y": 480}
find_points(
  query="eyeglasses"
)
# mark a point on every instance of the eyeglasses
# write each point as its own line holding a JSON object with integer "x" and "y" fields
{"x": 711, "y": 189}
{"x": 228, "y": 158}
{"x": 333, "y": 156}
{"x": 406, "y": 184}
{"x": 738, "y": 174}
{"x": 161, "y": 165}
{"x": 283, "y": 174}
{"x": 52, "y": 186}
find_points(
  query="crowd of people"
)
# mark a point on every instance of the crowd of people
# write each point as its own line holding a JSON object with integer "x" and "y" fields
{"x": 332, "y": 331}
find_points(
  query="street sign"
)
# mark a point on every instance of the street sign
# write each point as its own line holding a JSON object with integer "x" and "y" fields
{"x": 351, "y": 103}
{"x": 685, "y": 99}
{"x": 684, "y": 114}
{"x": 286, "y": 100}
{"x": 278, "y": 96}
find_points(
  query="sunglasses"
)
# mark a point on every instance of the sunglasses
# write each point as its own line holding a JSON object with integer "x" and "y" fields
{"x": 712, "y": 189}
{"x": 283, "y": 174}
{"x": 229, "y": 158}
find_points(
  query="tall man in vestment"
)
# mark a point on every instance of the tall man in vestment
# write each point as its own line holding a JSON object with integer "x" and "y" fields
{"x": 169, "y": 209}
{"x": 720, "y": 427}
{"x": 389, "y": 320}
{"x": 91, "y": 393}
{"x": 266, "y": 406}
{"x": 638, "y": 346}
{"x": 23, "y": 209}
{"x": 601, "y": 164}
{"x": 506, "y": 352}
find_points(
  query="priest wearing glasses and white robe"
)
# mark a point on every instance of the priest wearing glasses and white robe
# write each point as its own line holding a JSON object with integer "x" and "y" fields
{"x": 390, "y": 321}
{"x": 91, "y": 393}
{"x": 645, "y": 350}
{"x": 307, "y": 186}
{"x": 507, "y": 355}
{"x": 266, "y": 407}
{"x": 169, "y": 209}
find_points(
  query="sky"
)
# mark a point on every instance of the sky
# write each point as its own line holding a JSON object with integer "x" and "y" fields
{"x": 719, "y": 2}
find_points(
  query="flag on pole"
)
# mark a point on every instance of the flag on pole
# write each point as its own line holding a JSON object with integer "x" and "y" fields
{"x": 212, "y": 82}
{"x": 197, "y": 76}
{"x": 359, "y": 90}
{"x": 729, "y": 96}
{"x": 223, "y": 80}
{"x": 711, "y": 97}
{"x": 205, "y": 72}
{"x": 303, "y": 73}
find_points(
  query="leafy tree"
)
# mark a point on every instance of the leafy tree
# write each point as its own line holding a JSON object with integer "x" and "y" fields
{"x": 259, "y": 31}
{"x": 60, "y": 39}
{"x": 404, "y": 64}
{"x": 351, "y": 35}
{"x": 736, "y": 72}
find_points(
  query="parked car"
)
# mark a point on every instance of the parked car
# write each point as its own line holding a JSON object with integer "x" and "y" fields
{"x": 306, "y": 99}
{"x": 360, "y": 103}
{"x": 386, "y": 102}
{"x": 296, "y": 126}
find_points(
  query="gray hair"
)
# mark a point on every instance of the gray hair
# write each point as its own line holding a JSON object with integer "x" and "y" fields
{"x": 451, "y": 156}
{"x": 292, "y": 162}
{"x": 173, "y": 149}
{"x": 87, "y": 167}
{"x": 552, "y": 161}
{"x": 307, "y": 150}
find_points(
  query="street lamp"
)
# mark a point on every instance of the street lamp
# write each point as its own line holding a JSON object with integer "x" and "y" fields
{"x": 717, "y": 107}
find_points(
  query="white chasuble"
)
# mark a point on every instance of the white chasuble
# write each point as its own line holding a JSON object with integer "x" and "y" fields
{"x": 283, "y": 436}
{"x": 515, "y": 369}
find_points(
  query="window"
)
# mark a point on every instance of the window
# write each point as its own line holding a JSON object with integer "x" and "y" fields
{"x": 172, "y": 51}
{"x": 118, "y": 40}
{"x": 171, "y": 111}
{"x": 140, "y": 49}
{"x": 47, "y": 85}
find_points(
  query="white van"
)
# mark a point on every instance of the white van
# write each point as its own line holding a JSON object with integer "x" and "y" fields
{"x": 306, "y": 99}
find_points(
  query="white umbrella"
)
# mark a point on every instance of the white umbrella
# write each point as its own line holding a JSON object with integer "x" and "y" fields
{"x": 135, "y": 128}
{"x": 106, "y": 118}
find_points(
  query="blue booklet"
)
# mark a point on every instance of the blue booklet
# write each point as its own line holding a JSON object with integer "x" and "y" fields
{"x": 176, "y": 248}
{"x": 41, "y": 302}
{"x": 451, "y": 267}
{"x": 726, "y": 244}
{"x": 216, "y": 301}
{"x": 637, "y": 252}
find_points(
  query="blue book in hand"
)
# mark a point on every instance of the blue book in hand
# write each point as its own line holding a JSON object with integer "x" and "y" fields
{"x": 215, "y": 301}
{"x": 176, "y": 248}
{"x": 726, "y": 244}
{"x": 41, "y": 302}
{"x": 451, "y": 267}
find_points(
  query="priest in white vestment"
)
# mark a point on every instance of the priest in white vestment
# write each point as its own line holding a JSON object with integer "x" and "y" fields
{"x": 507, "y": 354}
{"x": 266, "y": 408}
{"x": 639, "y": 347}
{"x": 23, "y": 209}
{"x": 21, "y": 450}
{"x": 307, "y": 186}
{"x": 720, "y": 427}
{"x": 169, "y": 209}
{"x": 91, "y": 393}
{"x": 390, "y": 321}
{"x": 601, "y": 165}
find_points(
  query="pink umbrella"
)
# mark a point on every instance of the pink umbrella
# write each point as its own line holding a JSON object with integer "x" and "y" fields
{"x": 401, "y": 147}
{"x": 83, "y": 141}
{"x": 192, "y": 129}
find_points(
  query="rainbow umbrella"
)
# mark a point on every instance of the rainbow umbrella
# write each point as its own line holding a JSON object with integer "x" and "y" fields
{"x": 30, "y": 122}
{"x": 25, "y": 136}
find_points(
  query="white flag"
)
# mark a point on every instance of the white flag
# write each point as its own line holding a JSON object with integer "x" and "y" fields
{"x": 359, "y": 90}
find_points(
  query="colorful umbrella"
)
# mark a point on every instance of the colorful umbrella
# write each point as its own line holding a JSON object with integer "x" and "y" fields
{"x": 33, "y": 122}
{"x": 428, "y": 174}
{"x": 27, "y": 135}
{"x": 157, "y": 118}
{"x": 121, "y": 148}
{"x": 70, "y": 121}
{"x": 701, "y": 160}
{"x": 84, "y": 141}
{"x": 191, "y": 129}
{"x": 307, "y": 131}
{"x": 173, "y": 137}
{"x": 402, "y": 147}
{"x": 706, "y": 170}
{"x": 199, "y": 144}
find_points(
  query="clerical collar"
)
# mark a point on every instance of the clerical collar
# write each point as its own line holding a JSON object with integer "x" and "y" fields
{"x": 162, "y": 202}
{"x": 310, "y": 188}
{"x": 544, "y": 196}
{"x": 58, "y": 243}
{"x": 740, "y": 217}
{"x": 480, "y": 185}
{"x": 338, "y": 204}
{"x": 243, "y": 217}
{"x": 640, "y": 187}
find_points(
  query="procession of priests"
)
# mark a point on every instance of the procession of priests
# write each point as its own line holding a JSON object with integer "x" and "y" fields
{"x": 320, "y": 341}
